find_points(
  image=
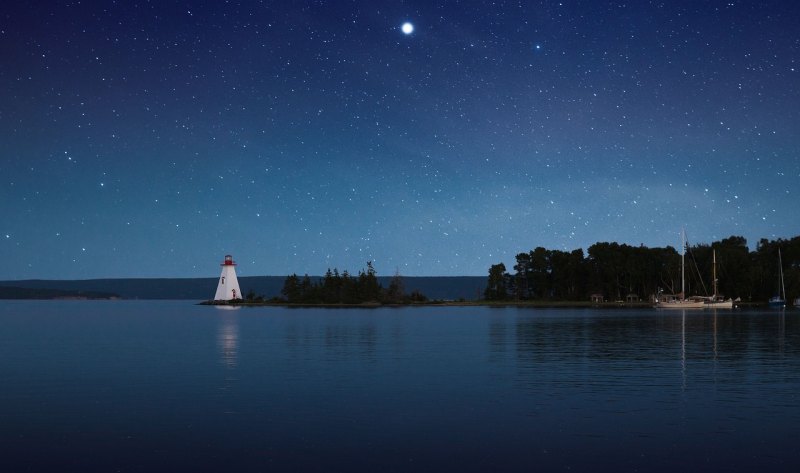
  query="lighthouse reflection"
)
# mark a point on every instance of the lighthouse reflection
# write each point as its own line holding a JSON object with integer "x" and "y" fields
{"x": 228, "y": 336}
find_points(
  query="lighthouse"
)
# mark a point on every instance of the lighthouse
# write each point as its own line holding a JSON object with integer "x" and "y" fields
{"x": 228, "y": 287}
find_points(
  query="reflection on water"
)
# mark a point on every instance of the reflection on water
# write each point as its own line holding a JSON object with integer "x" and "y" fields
{"x": 715, "y": 313}
{"x": 411, "y": 389}
{"x": 641, "y": 348}
{"x": 228, "y": 338}
{"x": 341, "y": 338}
{"x": 346, "y": 339}
{"x": 683, "y": 350}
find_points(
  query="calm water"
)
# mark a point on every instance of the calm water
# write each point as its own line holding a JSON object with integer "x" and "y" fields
{"x": 145, "y": 386}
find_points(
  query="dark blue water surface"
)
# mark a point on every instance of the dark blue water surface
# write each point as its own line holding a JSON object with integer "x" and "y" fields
{"x": 139, "y": 386}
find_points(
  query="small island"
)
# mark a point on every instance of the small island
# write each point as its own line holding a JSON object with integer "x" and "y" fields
{"x": 335, "y": 289}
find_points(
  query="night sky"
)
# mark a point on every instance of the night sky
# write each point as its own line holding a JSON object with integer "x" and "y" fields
{"x": 149, "y": 139}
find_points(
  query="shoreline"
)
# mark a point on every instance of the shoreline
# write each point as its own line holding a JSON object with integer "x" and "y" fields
{"x": 498, "y": 304}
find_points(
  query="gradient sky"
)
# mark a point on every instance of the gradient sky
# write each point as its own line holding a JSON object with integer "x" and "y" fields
{"x": 150, "y": 138}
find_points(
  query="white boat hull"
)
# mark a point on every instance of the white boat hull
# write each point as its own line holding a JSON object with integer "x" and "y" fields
{"x": 720, "y": 304}
{"x": 678, "y": 304}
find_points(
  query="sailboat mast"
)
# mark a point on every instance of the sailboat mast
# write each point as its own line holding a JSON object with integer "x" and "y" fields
{"x": 780, "y": 269}
{"x": 683, "y": 255}
{"x": 714, "y": 252}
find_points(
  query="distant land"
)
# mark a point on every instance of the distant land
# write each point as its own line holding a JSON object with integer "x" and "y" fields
{"x": 16, "y": 292}
{"x": 434, "y": 287}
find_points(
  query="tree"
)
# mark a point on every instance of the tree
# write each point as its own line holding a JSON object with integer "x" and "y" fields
{"x": 291, "y": 289}
{"x": 307, "y": 290}
{"x": 523, "y": 275}
{"x": 395, "y": 293}
{"x": 369, "y": 289}
{"x": 331, "y": 287}
{"x": 618, "y": 269}
{"x": 349, "y": 290}
{"x": 417, "y": 296}
{"x": 540, "y": 279}
{"x": 496, "y": 287}
{"x": 334, "y": 288}
{"x": 733, "y": 266}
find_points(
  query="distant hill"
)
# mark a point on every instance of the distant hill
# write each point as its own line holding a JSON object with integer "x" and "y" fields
{"x": 11, "y": 292}
{"x": 434, "y": 287}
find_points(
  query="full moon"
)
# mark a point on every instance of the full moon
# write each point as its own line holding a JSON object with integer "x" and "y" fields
{"x": 407, "y": 28}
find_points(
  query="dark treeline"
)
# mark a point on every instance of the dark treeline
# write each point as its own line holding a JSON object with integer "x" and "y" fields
{"x": 615, "y": 271}
{"x": 336, "y": 288}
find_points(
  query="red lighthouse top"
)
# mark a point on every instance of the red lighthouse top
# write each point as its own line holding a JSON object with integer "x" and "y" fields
{"x": 228, "y": 261}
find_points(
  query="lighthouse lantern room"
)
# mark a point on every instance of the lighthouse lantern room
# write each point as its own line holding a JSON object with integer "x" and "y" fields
{"x": 228, "y": 287}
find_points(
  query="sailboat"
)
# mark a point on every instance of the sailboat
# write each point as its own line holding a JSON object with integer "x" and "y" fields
{"x": 716, "y": 301}
{"x": 679, "y": 301}
{"x": 779, "y": 300}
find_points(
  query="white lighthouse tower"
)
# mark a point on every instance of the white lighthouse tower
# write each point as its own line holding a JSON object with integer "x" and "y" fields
{"x": 228, "y": 287}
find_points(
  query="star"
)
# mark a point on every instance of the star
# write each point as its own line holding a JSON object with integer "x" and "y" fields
{"x": 407, "y": 28}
